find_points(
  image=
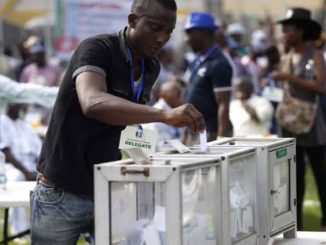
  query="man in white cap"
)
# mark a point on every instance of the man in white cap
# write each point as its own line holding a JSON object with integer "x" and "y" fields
{"x": 236, "y": 31}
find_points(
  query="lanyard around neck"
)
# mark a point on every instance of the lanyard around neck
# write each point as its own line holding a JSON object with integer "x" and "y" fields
{"x": 202, "y": 59}
{"x": 132, "y": 79}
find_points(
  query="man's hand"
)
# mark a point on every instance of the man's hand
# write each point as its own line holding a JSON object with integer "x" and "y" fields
{"x": 185, "y": 116}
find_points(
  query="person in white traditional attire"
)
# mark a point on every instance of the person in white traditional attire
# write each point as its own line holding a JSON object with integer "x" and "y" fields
{"x": 21, "y": 146}
{"x": 13, "y": 92}
{"x": 250, "y": 114}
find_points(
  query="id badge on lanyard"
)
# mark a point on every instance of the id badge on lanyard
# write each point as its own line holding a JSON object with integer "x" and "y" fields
{"x": 137, "y": 137}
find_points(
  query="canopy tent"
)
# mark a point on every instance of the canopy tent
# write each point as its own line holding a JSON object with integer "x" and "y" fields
{"x": 18, "y": 18}
{"x": 22, "y": 12}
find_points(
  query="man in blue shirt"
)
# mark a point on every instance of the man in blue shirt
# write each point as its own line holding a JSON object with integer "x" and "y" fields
{"x": 209, "y": 86}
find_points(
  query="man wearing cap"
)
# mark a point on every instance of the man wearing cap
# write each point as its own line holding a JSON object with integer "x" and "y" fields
{"x": 40, "y": 71}
{"x": 209, "y": 85}
{"x": 235, "y": 32}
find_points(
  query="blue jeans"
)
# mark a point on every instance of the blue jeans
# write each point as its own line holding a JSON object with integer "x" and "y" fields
{"x": 59, "y": 217}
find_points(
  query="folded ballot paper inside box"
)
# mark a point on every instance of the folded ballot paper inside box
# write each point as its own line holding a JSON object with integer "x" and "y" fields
{"x": 275, "y": 183}
{"x": 238, "y": 186}
{"x": 197, "y": 230}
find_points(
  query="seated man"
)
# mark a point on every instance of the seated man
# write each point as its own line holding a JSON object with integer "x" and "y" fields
{"x": 250, "y": 115}
{"x": 21, "y": 146}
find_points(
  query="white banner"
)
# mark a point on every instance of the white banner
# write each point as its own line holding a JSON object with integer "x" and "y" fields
{"x": 84, "y": 18}
{"x": 79, "y": 19}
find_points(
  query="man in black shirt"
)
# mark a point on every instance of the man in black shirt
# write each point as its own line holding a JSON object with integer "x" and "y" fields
{"x": 106, "y": 83}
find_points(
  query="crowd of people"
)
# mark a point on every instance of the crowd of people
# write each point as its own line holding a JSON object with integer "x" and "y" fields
{"x": 224, "y": 84}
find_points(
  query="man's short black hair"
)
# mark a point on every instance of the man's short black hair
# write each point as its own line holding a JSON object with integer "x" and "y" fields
{"x": 140, "y": 6}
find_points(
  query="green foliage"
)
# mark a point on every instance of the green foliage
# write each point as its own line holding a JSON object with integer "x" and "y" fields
{"x": 311, "y": 209}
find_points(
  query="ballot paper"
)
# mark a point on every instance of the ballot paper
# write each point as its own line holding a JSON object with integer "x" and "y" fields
{"x": 197, "y": 231}
{"x": 203, "y": 141}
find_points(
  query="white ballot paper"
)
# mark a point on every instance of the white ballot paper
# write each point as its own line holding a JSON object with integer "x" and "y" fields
{"x": 203, "y": 141}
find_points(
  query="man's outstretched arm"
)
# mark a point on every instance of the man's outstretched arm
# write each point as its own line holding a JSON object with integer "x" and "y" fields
{"x": 14, "y": 92}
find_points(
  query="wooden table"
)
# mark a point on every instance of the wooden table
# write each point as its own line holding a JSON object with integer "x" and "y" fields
{"x": 15, "y": 195}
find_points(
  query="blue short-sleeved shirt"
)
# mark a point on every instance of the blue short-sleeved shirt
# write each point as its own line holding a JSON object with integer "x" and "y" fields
{"x": 213, "y": 75}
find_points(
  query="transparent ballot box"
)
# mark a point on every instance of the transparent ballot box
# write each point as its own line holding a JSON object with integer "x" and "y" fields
{"x": 166, "y": 202}
{"x": 276, "y": 183}
{"x": 239, "y": 209}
